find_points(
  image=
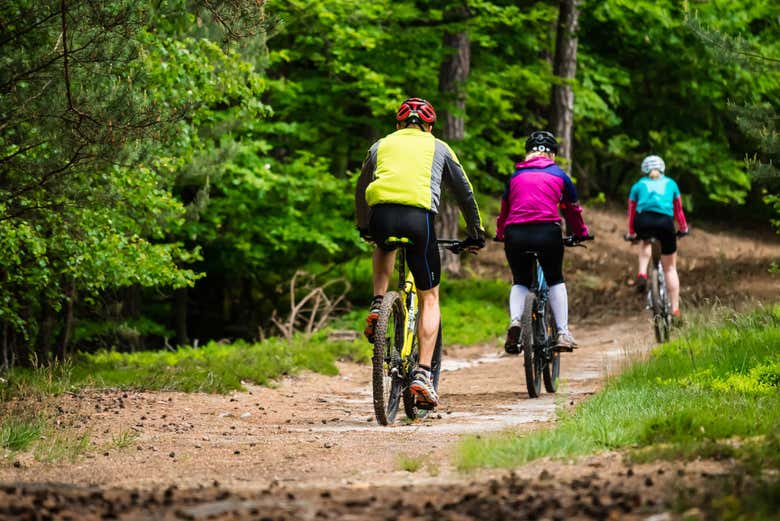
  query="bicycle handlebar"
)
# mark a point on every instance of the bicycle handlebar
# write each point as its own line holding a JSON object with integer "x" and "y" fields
{"x": 572, "y": 241}
{"x": 569, "y": 240}
{"x": 457, "y": 247}
{"x": 453, "y": 245}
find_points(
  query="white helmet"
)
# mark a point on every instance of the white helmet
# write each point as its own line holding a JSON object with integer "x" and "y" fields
{"x": 651, "y": 163}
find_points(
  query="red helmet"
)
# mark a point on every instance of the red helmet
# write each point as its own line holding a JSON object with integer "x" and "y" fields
{"x": 416, "y": 111}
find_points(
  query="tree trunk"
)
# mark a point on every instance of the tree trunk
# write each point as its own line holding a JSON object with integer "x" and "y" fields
{"x": 180, "y": 305}
{"x": 565, "y": 68}
{"x": 6, "y": 359}
{"x": 452, "y": 79}
{"x": 68, "y": 326}
{"x": 45, "y": 342}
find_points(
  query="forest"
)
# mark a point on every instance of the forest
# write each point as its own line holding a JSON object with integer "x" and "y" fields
{"x": 168, "y": 167}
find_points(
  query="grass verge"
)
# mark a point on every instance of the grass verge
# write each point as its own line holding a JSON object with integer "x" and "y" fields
{"x": 713, "y": 392}
{"x": 214, "y": 367}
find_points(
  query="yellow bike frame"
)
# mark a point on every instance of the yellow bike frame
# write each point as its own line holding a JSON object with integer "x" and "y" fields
{"x": 408, "y": 292}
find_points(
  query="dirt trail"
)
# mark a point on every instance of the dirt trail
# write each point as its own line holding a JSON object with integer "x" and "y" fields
{"x": 314, "y": 429}
{"x": 314, "y": 433}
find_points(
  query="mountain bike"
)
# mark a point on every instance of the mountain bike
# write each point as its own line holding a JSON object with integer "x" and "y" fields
{"x": 541, "y": 358}
{"x": 657, "y": 296}
{"x": 396, "y": 352}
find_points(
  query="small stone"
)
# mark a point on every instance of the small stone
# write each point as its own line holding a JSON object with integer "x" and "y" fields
{"x": 328, "y": 445}
{"x": 172, "y": 454}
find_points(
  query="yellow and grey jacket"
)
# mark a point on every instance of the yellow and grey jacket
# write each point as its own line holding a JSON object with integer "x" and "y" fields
{"x": 407, "y": 167}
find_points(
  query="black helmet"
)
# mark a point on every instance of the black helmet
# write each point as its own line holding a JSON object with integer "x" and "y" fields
{"x": 541, "y": 141}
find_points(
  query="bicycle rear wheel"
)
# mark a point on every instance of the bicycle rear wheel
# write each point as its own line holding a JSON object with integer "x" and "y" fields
{"x": 659, "y": 321}
{"x": 553, "y": 366}
{"x": 531, "y": 358}
{"x": 387, "y": 375}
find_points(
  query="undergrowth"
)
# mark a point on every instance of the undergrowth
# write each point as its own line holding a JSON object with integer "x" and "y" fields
{"x": 214, "y": 367}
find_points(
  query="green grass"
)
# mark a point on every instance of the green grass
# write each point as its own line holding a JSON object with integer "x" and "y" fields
{"x": 19, "y": 431}
{"x": 60, "y": 446}
{"x": 718, "y": 382}
{"x": 409, "y": 463}
{"x": 124, "y": 439}
{"x": 474, "y": 310}
{"x": 214, "y": 367}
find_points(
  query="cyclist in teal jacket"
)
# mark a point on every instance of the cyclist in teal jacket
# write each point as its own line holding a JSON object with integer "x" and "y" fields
{"x": 654, "y": 204}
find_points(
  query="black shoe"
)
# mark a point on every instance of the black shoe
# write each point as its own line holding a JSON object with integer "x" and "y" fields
{"x": 512, "y": 345}
{"x": 641, "y": 284}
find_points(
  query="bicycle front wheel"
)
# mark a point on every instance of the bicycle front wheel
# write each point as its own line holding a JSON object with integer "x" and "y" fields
{"x": 553, "y": 366}
{"x": 532, "y": 359}
{"x": 387, "y": 375}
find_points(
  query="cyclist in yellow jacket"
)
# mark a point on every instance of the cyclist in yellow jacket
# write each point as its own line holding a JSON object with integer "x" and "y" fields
{"x": 398, "y": 194}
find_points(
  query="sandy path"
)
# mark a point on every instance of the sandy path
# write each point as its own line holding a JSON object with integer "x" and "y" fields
{"x": 314, "y": 429}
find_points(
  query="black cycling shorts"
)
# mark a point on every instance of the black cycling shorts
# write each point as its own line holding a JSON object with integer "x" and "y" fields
{"x": 543, "y": 238}
{"x": 659, "y": 226}
{"x": 415, "y": 224}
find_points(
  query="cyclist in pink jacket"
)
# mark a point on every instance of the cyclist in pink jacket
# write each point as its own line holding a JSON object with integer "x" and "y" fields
{"x": 530, "y": 221}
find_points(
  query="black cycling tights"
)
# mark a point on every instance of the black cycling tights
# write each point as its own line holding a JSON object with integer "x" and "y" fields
{"x": 658, "y": 225}
{"x": 544, "y": 238}
{"x": 416, "y": 224}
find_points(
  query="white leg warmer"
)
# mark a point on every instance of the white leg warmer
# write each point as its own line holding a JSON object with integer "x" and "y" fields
{"x": 559, "y": 301}
{"x": 517, "y": 301}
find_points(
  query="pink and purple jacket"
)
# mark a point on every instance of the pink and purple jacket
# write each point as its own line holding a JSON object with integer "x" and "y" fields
{"x": 535, "y": 192}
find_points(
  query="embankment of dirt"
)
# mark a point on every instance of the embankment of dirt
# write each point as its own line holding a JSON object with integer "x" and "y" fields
{"x": 597, "y": 489}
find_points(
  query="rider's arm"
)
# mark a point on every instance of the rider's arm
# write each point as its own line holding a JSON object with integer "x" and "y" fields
{"x": 679, "y": 215}
{"x": 572, "y": 211}
{"x": 464, "y": 194}
{"x": 631, "y": 215}
{"x": 366, "y": 176}
{"x": 632, "y": 201}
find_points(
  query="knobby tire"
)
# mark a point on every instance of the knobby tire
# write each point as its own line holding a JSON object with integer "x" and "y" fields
{"x": 552, "y": 369}
{"x": 659, "y": 321}
{"x": 388, "y": 343}
{"x": 533, "y": 378}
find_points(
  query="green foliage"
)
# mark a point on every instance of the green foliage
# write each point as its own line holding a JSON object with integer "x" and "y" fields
{"x": 681, "y": 402}
{"x": 473, "y": 310}
{"x": 214, "y": 147}
{"x": 100, "y": 102}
